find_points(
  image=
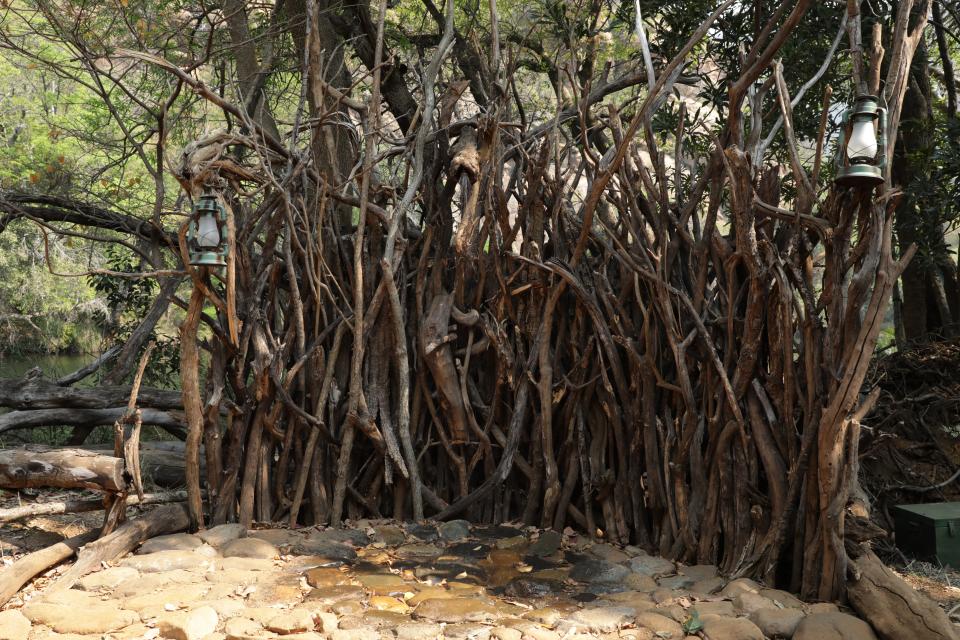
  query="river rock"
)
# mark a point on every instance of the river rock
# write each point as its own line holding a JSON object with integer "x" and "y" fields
{"x": 598, "y": 572}
{"x": 277, "y": 537}
{"x": 454, "y": 530}
{"x": 222, "y": 534}
{"x": 331, "y": 550}
{"x": 249, "y": 548}
{"x": 708, "y": 586}
{"x": 652, "y": 566}
{"x": 533, "y": 587}
{"x": 833, "y": 626}
{"x": 677, "y": 582}
{"x": 96, "y": 618}
{"x": 387, "y": 603}
{"x": 172, "y": 542}
{"x": 418, "y": 551}
{"x": 777, "y": 623}
{"x": 245, "y": 629}
{"x": 333, "y": 594}
{"x": 326, "y": 577}
{"x": 390, "y": 535}
{"x": 698, "y": 571}
{"x": 466, "y": 631}
{"x": 292, "y": 621}
{"x": 418, "y": 631}
{"x": 661, "y": 626}
{"x": 453, "y": 610}
{"x": 107, "y": 579}
{"x": 740, "y": 585}
{"x": 748, "y": 603}
{"x": 604, "y": 618}
{"x": 546, "y": 545}
{"x": 163, "y": 561}
{"x": 188, "y": 625}
{"x": 725, "y": 628}
{"x": 384, "y": 584}
{"x": 608, "y": 552}
{"x": 424, "y": 532}
{"x": 13, "y": 625}
{"x": 355, "y": 634}
{"x": 247, "y": 564}
{"x": 505, "y": 633}
{"x": 716, "y": 608}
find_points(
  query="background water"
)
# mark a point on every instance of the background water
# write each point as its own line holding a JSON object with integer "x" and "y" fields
{"x": 54, "y": 366}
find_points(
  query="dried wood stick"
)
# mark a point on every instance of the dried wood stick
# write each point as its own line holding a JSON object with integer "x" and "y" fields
{"x": 31, "y": 565}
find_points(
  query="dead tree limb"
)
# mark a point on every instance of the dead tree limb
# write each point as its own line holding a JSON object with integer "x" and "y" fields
{"x": 34, "y": 466}
{"x": 31, "y": 565}
{"x": 60, "y": 507}
{"x": 159, "y": 521}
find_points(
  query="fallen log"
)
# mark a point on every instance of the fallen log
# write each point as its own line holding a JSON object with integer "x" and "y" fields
{"x": 894, "y": 608}
{"x": 162, "y": 463}
{"x": 170, "y": 421}
{"x": 35, "y": 392}
{"x": 59, "y": 507}
{"x": 28, "y": 567}
{"x": 162, "y": 520}
{"x": 34, "y": 466}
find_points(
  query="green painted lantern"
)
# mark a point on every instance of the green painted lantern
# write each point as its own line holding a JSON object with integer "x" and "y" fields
{"x": 862, "y": 152}
{"x": 207, "y": 234}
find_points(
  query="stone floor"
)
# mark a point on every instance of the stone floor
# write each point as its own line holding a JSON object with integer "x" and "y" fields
{"x": 383, "y": 580}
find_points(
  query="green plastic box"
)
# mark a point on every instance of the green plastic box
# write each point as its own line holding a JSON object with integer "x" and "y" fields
{"x": 929, "y": 531}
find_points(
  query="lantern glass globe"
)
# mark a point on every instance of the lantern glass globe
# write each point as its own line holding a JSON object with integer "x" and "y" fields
{"x": 208, "y": 231}
{"x": 863, "y": 141}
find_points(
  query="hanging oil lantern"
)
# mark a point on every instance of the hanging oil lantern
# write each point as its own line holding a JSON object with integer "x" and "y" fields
{"x": 207, "y": 234}
{"x": 862, "y": 152}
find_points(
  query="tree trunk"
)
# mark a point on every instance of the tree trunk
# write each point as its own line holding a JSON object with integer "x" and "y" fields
{"x": 893, "y": 608}
{"x": 65, "y": 468}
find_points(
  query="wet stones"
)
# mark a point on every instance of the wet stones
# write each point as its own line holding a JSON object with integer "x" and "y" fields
{"x": 391, "y": 536}
{"x": 443, "y": 581}
{"x": 454, "y": 530}
{"x": 598, "y": 572}
{"x": 652, "y": 566}
{"x": 546, "y": 544}
{"x": 532, "y": 587}
{"x": 453, "y": 610}
{"x": 384, "y": 584}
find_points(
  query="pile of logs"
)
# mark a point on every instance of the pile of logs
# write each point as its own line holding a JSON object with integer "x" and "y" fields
{"x": 115, "y": 473}
{"x": 35, "y": 466}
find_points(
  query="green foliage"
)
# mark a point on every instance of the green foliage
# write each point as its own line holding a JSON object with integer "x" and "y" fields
{"x": 40, "y": 311}
{"x": 935, "y": 193}
{"x": 127, "y": 301}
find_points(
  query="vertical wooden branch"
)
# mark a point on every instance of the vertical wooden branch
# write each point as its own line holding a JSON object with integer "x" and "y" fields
{"x": 190, "y": 383}
{"x": 356, "y": 365}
